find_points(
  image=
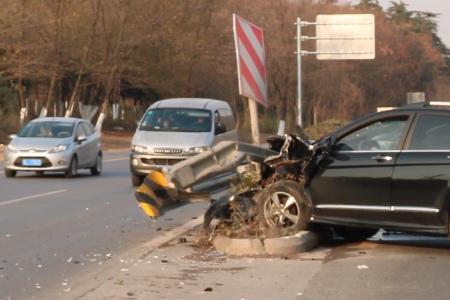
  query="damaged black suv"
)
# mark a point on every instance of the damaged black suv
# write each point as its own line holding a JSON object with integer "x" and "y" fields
{"x": 387, "y": 170}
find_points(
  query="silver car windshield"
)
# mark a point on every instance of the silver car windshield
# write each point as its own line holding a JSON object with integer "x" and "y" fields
{"x": 177, "y": 119}
{"x": 47, "y": 129}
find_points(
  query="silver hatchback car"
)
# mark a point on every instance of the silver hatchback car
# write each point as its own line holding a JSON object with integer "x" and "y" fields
{"x": 55, "y": 145}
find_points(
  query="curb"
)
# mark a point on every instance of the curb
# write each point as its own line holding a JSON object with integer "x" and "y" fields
{"x": 300, "y": 242}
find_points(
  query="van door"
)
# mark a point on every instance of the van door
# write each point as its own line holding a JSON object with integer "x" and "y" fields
{"x": 222, "y": 126}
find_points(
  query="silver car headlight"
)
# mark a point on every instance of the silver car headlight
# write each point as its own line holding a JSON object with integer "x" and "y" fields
{"x": 140, "y": 149}
{"x": 196, "y": 150}
{"x": 59, "y": 148}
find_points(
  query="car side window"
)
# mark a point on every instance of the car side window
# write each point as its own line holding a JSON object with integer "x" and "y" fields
{"x": 431, "y": 133}
{"x": 380, "y": 135}
{"x": 80, "y": 131}
{"x": 87, "y": 128}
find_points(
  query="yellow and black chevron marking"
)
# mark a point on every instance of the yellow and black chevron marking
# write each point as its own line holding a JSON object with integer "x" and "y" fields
{"x": 153, "y": 194}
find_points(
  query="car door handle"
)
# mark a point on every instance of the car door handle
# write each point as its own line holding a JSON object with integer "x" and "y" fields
{"x": 382, "y": 158}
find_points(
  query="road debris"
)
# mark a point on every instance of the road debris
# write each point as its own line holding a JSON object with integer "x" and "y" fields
{"x": 362, "y": 267}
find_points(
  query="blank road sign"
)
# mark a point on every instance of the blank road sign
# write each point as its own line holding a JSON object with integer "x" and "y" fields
{"x": 345, "y": 36}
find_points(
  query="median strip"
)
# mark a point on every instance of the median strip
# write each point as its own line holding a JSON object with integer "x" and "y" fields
{"x": 32, "y": 197}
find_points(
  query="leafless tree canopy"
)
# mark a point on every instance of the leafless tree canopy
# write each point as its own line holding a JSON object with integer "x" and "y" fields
{"x": 61, "y": 52}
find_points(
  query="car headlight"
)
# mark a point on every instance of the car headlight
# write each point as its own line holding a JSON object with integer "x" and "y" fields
{"x": 11, "y": 149}
{"x": 59, "y": 148}
{"x": 139, "y": 149}
{"x": 196, "y": 150}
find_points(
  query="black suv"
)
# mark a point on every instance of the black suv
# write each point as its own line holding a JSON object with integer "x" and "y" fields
{"x": 387, "y": 170}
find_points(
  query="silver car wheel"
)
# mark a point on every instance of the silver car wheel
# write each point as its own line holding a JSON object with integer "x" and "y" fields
{"x": 281, "y": 210}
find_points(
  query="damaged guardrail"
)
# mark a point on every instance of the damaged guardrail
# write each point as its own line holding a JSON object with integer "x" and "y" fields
{"x": 194, "y": 178}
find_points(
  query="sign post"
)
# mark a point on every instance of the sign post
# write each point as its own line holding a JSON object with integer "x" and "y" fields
{"x": 251, "y": 64}
{"x": 338, "y": 37}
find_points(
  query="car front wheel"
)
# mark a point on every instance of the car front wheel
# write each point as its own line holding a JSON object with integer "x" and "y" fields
{"x": 73, "y": 168}
{"x": 136, "y": 180}
{"x": 97, "y": 169}
{"x": 10, "y": 173}
{"x": 283, "y": 207}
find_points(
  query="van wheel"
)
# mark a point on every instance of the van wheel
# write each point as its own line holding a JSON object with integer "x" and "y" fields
{"x": 353, "y": 234}
{"x": 136, "y": 180}
{"x": 73, "y": 168}
{"x": 10, "y": 173}
{"x": 97, "y": 169}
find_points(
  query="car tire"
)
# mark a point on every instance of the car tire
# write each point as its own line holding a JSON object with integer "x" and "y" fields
{"x": 354, "y": 234}
{"x": 73, "y": 168}
{"x": 10, "y": 173}
{"x": 97, "y": 169}
{"x": 136, "y": 180}
{"x": 282, "y": 207}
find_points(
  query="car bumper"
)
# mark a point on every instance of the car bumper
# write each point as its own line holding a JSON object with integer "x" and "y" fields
{"x": 142, "y": 164}
{"x": 49, "y": 161}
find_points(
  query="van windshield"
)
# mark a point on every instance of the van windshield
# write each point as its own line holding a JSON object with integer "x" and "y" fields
{"x": 177, "y": 119}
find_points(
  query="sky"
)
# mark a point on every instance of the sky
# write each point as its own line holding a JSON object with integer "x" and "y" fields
{"x": 441, "y": 7}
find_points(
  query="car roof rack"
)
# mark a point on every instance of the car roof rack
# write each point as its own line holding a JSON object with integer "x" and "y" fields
{"x": 428, "y": 104}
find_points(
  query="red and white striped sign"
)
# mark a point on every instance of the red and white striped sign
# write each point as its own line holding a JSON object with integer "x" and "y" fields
{"x": 251, "y": 60}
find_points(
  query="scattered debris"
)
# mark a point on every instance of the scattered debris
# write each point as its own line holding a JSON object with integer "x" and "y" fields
{"x": 362, "y": 267}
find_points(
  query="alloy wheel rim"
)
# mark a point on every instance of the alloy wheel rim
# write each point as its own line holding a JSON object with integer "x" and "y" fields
{"x": 281, "y": 210}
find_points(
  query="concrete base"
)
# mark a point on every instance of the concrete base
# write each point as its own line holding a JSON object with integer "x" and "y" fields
{"x": 300, "y": 242}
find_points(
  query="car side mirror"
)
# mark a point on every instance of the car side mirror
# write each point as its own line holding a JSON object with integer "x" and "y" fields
{"x": 331, "y": 143}
{"x": 220, "y": 128}
{"x": 81, "y": 139}
{"x": 12, "y": 136}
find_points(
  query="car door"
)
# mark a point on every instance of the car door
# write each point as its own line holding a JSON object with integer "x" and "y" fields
{"x": 353, "y": 183}
{"x": 420, "y": 191}
{"x": 92, "y": 143}
{"x": 82, "y": 146}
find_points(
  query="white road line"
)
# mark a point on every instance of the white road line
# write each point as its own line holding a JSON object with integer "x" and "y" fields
{"x": 116, "y": 159}
{"x": 32, "y": 197}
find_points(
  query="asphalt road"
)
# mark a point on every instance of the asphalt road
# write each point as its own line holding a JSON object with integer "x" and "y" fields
{"x": 57, "y": 234}
{"x": 52, "y": 229}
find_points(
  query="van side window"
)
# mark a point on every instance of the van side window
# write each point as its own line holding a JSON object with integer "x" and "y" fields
{"x": 219, "y": 125}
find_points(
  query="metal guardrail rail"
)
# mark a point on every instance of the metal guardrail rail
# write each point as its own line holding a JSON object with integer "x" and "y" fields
{"x": 216, "y": 162}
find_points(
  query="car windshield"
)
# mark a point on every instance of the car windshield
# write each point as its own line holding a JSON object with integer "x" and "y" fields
{"x": 177, "y": 119}
{"x": 47, "y": 129}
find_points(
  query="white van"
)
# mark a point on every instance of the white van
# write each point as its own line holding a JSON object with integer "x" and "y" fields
{"x": 174, "y": 129}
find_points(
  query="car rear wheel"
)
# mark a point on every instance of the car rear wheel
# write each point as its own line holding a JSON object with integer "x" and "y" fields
{"x": 283, "y": 207}
{"x": 136, "y": 180}
{"x": 73, "y": 168}
{"x": 10, "y": 173}
{"x": 97, "y": 169}
{"x": 354, "y": 234}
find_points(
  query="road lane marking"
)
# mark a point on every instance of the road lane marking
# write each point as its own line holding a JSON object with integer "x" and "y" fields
{"x": 115, "y": 159}
{"x": 32, "y": 197}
